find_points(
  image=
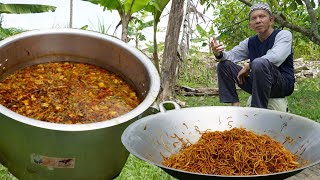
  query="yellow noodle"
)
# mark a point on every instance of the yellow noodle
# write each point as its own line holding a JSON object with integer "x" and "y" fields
{"x": 233, "y": 152}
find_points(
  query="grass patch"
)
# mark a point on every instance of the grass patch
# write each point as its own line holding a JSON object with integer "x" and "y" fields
{"x": 305, "y": 100}
{"x": 194, "y": 101}
{"x": 136, "y": 169}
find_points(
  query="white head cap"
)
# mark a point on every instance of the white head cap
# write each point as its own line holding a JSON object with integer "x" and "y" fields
{"x": 260, "y": 6}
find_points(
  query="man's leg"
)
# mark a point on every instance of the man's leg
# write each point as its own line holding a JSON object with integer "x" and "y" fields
{"x": 227, "y": 78}
{"x": 267, "y": 82}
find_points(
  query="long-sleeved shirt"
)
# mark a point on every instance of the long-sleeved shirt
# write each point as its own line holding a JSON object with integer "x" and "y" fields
{"x": 277, "y": 54}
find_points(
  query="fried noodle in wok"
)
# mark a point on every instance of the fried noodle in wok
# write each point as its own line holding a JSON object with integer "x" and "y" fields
{"x": 235, "y": 152}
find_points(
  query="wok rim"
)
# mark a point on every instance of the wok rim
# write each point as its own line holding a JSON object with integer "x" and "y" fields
{"x": 149, "y": 118}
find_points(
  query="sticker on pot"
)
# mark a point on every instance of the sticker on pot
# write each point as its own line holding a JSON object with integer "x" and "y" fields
{"x": 53, "y": 162}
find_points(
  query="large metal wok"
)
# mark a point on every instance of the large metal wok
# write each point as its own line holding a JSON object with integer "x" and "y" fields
{"x": 33, "y": 149}
{"x": 152, "y": 137}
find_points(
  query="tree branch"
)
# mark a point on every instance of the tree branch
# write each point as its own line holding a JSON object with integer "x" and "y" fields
{"x": 236, "y": 23}
{"x": 246, "y": 2}
{"x": 313, "y": 17}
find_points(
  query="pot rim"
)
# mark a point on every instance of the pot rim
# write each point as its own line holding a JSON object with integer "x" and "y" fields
{"x": 146, "y": 103}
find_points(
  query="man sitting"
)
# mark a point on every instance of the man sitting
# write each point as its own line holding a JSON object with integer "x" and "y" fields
{"x": 270, "y": 73}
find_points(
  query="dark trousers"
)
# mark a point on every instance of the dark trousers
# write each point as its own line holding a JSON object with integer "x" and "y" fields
{"x": 264, "y": 82}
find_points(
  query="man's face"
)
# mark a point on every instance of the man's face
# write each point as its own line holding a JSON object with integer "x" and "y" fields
{"x": 260, "y": 21}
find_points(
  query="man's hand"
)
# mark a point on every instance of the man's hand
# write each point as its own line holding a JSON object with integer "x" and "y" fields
{"x": 215, "y": 47}
{"x": 243, "y": 73}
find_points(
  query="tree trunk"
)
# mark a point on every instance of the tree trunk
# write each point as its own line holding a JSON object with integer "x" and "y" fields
{"x": 137, "y": 39}
{"x": 155, "y": 48}
{"x": 189, "y": 30}
{"x": 170, "y": 59}
{"x": 71, "y": 13}
{"x": 1, "y": 20}
{"x": 184, "y": 43}
{"x": 125, "y": 24}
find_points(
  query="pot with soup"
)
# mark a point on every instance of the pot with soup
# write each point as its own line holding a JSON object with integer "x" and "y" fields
{"x": 66, "y": 97}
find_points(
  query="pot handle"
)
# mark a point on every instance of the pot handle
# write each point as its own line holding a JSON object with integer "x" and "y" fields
{"x": 163, "y": 109}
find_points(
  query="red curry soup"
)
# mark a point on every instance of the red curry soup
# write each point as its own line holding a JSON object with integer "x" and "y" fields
{"x": 67, "y": 93}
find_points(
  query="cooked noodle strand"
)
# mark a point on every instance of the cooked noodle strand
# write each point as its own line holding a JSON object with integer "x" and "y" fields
{"x": 233, "y": 152}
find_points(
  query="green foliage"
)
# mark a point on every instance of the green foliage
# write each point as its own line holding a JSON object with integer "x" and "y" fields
{"x": 25, "y": 8}
{"x": 122, "y": 6}
{"x": 125, "y": 9}
{"x": 136, "y": 25}
{"x": 156, "y": 7}
{"x": 304, "y": 48}
{"x": 299, "y": 2}
{"x": 5, "y": 174}
{"x": 133, "y": 6}
{"x": 232, "y": 22}
{"x": 150, "y": 46}
{"x": 6, "y": 32}
{"x": 85, "y": 27}
{"x": 204, "y": 35}
{"x": 197, "y": 71}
